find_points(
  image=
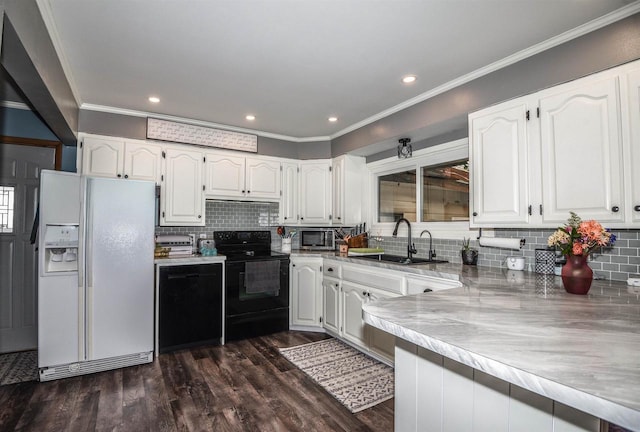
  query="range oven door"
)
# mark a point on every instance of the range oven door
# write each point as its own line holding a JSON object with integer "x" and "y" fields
{"x": 240, "y": 300}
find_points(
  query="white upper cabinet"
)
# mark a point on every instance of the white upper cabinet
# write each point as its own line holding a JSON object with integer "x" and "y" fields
{"x": 535, "y": 159}
{"x": 230, "y": 176}
{"x": 120, "y": 158}
{"x": 102, "y": 157}
{"x": 581, "y": 151}
{"x": 631, "y": 132}
{"x": 499, "y": 155}
{"x": 182, "y": 195}
{"x": 315, "y": 192}
{"x": 348, "y": 174}
{"x": 289, "y": 208}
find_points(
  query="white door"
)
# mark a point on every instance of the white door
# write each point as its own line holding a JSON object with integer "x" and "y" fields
{"x": 498, "y": 153}
{"x": 581, "y": 151}
{"x": 142, "y": 162}
{"x": 353, "y": 297}
{"x": 119, "y": 267}
{"x": 263, "y": 179}
{"x": 183, "y": 199}
{"x": 380, "y": 342}
{"x": 102, "y": 157}
{"x": 315, "y": 192}
{"x": 20, "y": 168}
{"x": 331, "y": 305}
{"x": 224, "y": 175}
{"x": 289, "y": 211}
{"x": 305, "y": 293}
{"x": 631, "y": 111}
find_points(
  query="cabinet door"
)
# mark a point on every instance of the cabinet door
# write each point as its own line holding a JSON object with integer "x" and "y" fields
{"x": 380, "y": 342}
{"x": 306, "y": 292}
{"x": 331, "y": 305}
{"x": 102, "y": 157}
{"x": 315, "y": 192}
{"x": 499, "y": 174}
{"x": 581, "y": 151}
{"x": 289, "y": 211}
{"x": 353, "y": 327}
{"x": 338, "y": 180}
{"x": 631, "y": 111}
{"x": 182, "y": 199}
{"x": 224, "y": 175}
{"x": 263, "y": 179}
{"x": 142, "y": 162}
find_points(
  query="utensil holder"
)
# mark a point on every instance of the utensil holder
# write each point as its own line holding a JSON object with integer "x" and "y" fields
{"x": 286, "y": 245}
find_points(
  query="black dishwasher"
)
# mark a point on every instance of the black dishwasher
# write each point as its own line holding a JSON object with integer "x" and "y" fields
{"x": 190, "y": 308}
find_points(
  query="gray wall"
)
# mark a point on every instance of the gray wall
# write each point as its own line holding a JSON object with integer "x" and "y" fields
{"x": 610, "y": 46}
{"x": 29, "y": 57}
{"x": 24, "y": 124}
{"x": 125, "y": 126}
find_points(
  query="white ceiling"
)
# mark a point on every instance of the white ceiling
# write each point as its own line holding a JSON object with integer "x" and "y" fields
{"x": 291, "y": 63}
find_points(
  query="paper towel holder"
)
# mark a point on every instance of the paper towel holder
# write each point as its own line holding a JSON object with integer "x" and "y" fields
{"x": 522, "y": 240}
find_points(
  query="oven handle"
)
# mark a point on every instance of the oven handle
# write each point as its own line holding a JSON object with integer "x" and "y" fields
{"x": 183, "y": 276}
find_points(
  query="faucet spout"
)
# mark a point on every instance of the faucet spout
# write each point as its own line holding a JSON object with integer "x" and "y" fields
{"x": 411, "y": 249}
{"x": 432, "y": 253}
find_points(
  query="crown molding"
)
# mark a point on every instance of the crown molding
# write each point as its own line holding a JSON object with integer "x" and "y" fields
{"x": 50, "y": 24}
{"x": 14, "y": 105}
{"x": 136, "y": 113}
{"x": 581, "y": 30}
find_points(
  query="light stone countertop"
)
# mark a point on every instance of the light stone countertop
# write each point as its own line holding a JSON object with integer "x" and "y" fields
{"x": 189, "y": 259}
{"x": 583, "y": 351}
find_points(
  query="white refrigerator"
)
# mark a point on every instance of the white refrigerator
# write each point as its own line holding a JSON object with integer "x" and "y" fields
{"x": 95, "y": 285}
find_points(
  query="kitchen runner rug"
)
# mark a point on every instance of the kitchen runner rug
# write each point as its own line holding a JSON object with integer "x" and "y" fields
{"x": 355, "y": 379}
{"x": 18, "y": 367}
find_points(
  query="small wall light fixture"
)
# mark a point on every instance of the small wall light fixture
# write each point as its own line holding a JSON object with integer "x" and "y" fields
{"x": 404, "y": 148}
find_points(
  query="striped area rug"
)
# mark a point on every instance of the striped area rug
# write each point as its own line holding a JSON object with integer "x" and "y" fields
{"x": 18, "y": 367}
{"x": 353, "y": 378}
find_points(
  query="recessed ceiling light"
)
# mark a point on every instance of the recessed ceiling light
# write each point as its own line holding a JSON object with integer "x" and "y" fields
{"x": 409, "y": 79}
{"x": 154, "y": 99}
{"x": 333, "y": 119}
{"x": 250, "y": 117}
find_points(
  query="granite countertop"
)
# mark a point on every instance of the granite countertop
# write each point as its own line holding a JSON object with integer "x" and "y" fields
{"x": 189, "y": 259}
{"x": 523, "y": 327}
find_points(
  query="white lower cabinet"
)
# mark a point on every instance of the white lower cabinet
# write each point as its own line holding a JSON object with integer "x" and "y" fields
{"x": 331, "y": 305}
{"x": 306, "y": 293}
{"x": 380, "y": 342}
{"x": 437, "y": 394}
{"x": 353, "y": 297}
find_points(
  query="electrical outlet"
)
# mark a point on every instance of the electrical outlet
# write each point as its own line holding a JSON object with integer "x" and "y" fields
{"x": 202, "y": 235}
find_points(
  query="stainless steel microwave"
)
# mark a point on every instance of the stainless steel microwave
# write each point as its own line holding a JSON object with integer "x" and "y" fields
{"x": 317, "y": 239}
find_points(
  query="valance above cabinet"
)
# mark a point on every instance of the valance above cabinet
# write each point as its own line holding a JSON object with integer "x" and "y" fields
{"x": 567, "y": 148}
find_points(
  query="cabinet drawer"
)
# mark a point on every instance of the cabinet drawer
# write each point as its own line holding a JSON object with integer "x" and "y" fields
{"x": 418, "y": 284}
{"x": 332, "y": 269}
{"x": 386, "y": 281}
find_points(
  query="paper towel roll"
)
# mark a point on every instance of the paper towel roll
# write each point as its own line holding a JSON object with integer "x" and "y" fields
{"x": 504, "y": 243}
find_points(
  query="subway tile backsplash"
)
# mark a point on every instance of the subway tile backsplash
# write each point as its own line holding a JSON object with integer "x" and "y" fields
{"x": 615, "y": 263}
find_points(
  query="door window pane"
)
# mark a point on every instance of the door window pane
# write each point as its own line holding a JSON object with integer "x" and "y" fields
{"x": 445, "y": 192}
{"x": 6, "y": 209}
{"x": 397, "y": 196}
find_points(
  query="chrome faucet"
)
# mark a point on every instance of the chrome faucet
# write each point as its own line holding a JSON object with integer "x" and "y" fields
{"x": 432, "y": 252}
{"x": 411, "y": 248}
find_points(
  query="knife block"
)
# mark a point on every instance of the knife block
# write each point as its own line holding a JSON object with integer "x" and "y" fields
{"x": 359, "y": 241}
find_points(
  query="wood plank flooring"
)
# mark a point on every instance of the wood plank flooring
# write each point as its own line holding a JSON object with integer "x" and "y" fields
{"x": 242, "y": 386}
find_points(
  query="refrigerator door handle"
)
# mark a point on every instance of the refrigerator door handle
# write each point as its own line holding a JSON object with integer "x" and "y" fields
{"x": 88, "y": 277}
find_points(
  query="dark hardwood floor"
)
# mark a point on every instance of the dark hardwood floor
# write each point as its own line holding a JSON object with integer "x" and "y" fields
{"x": 242, "y": 386}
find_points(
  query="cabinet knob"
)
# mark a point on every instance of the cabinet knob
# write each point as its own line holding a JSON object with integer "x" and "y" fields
{"x": 637, "y": 208}
{"x": 248, "y": 191}
{"x": 475, "y": 213}
{"x": 126, "y": 176}
{"x": 199, "y": 216}
{"x": 615, "y": 209}
{"x": 293, "y": 265}
{"x": 301, "y": 218}
{"x": 242, "y": 190}
{"x": 330, "y": 269}
{"x": 339, "y": 218}
{"x": 119, "y": 175}
{"x": 285, "y": 218}
{"x": 364, "y": 293}
{"x": 427, "y": 290}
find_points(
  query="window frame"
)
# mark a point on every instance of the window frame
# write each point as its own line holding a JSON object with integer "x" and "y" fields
{"x": 437, "y": 155}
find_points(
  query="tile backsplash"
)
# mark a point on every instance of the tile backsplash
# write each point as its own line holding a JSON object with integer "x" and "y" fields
{"x": 615, "y": 263}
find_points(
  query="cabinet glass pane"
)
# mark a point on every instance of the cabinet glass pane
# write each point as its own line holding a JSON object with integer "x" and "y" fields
{"x": 445, "y": 192}
{"x": 397, "y": 196}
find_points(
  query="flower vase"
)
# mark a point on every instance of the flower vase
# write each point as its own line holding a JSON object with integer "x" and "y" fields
{"x": 577, "y": 275}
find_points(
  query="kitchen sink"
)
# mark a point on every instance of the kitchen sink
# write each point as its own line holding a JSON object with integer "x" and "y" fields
{"x": 397, "y": 259}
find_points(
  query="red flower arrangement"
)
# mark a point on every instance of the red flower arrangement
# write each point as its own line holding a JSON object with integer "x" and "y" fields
{"x": 580, "y": 237}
